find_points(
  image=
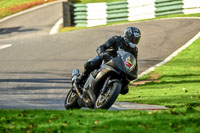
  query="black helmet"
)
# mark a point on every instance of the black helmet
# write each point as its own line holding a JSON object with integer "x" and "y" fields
{"x": 132, "y": 36}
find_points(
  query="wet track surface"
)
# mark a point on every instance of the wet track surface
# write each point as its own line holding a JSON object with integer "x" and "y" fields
{"x": 35, "y": 71}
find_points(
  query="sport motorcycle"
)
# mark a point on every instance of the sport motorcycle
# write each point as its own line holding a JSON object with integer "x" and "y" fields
{"x": 103, "y": 85}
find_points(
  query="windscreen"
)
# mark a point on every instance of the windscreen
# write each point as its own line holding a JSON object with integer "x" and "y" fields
{"x": 128, "y": 59}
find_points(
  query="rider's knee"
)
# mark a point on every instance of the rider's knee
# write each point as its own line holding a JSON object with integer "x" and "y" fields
{"x": 93, "y": 63}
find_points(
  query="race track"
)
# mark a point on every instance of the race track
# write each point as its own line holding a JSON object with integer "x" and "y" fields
{"x": 35, "y": 71}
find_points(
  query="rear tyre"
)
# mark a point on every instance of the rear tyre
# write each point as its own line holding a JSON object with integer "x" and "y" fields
{"x": 105, "y": 101}
{"x": 71, "y": 100}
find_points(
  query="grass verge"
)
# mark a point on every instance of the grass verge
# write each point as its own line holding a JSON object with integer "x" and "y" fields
{"x": 88, "y": 121}
{"x": 175, "y": 85}
{"x": 97, "y": 1}
{"x": 93, "y": 1}
{"x": 8, "y": 7}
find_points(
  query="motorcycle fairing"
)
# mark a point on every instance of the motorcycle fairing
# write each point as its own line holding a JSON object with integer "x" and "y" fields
{"x": 117, "y": 63}
{"x": 96, "y": 82}
{"x": 88, "y": 90}
{"x": 104, "y": 72}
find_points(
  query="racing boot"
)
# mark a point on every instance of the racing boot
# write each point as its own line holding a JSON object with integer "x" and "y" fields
{"x": 124, "y": 90}
{"x": 80, "y": 80}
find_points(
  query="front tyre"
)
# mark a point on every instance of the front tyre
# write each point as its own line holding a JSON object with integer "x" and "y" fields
{"x": 71, "y": 100}
{"x": 105, "y": 101}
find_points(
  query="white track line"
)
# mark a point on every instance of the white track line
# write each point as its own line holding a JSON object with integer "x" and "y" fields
{"x": 28, "y": 10}
{"x": 56, "y": 27}
{"x": 5, "y": 46}
{"x": 171, "y": 56}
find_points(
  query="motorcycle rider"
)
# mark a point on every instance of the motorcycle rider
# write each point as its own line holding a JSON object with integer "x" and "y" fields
{"x": 108, "y": 50}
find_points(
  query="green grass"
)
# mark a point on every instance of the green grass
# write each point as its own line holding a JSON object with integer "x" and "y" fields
{"x": 96, "y": 1}
{"x": 164, "y": 87}
{"x": 93, "y": 1}
{"x": 10, "y": 3}
{"x": 89, "y": 121}
{"x": 176, "y": 84}
{"x": 8, "y": 7}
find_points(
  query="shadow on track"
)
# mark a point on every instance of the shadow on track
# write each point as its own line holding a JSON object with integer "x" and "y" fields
{"x": 15, "y": 29}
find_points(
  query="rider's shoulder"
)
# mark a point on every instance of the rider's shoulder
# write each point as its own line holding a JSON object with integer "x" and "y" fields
{"x": 117, "y": 38}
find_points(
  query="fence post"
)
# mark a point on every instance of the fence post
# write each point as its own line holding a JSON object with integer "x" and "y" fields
{"x": 67, "y": 13}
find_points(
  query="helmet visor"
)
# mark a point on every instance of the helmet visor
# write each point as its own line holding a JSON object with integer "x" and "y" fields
{"x": 134, "y": 40}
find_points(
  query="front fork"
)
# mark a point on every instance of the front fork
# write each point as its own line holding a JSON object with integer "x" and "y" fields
{"x": 105, "y": 85}
{"x": 75, "y": 75}
{"x": 77, "y": 90}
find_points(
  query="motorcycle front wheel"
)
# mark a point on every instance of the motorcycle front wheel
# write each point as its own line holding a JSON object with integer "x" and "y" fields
{"x": 71, "y": 100}
{"x": 105, "y": 101}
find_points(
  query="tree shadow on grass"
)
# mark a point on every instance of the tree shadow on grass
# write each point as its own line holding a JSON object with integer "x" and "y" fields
{"x": 179, "y": 75}
{"x": 178, "y": 79}
{"x": 171, "y": 101}
{"x": 172, "y": 82}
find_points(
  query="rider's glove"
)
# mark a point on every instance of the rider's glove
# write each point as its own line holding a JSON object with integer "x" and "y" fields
{"x": 105, "y": 56}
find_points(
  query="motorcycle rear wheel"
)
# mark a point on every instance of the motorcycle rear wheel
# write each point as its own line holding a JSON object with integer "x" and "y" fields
{"x": 105, "y": 101}
{"x": 71, "y": 100}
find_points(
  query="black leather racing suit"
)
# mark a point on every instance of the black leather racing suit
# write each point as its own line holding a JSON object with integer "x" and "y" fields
{"x": 105, "y": 52}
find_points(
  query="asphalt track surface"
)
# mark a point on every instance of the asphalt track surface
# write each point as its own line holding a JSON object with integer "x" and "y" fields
{"x": 35, "y": 72}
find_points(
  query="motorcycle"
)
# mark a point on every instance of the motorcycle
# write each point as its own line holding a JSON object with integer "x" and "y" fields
{"x": 103, "y": 85}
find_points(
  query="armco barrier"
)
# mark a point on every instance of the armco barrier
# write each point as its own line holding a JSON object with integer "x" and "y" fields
{"x": 93, "y": 14}
{"x": 117, "y": 11}
{"x": 141, "y": 9}
{"x": 191, "y": 6}
{"x": 80, "y": 14}
{"x": 168, "y": 7}
{"x": 96, "y": 14}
